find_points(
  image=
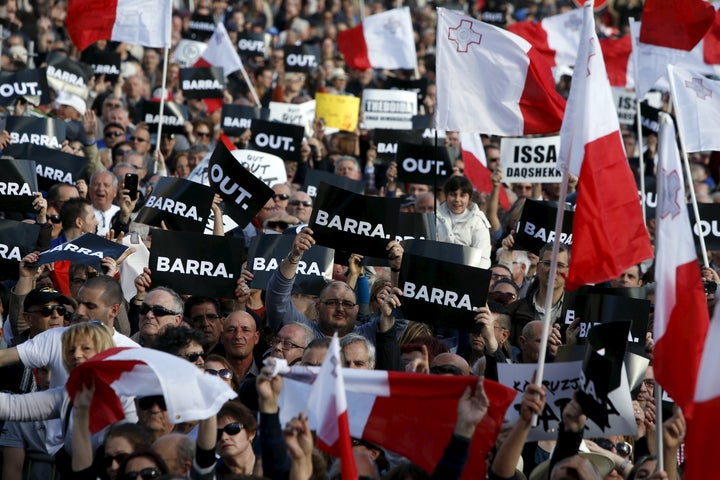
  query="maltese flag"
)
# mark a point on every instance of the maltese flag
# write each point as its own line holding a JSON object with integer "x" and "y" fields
{"x": 220, "y": 52}
{"x": 189, "y": 393}
{"x": 473, "y": 155}
{"x": 698, "y": 108}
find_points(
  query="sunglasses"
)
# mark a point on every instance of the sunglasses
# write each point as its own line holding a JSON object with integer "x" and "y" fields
{"x": 47, "y": 310}
{"x": 54, "y": 219}
{"x": 146, "y": 403}
{"x": 208, "y": 316}
{"x": 203, "y": 134}
{"x": 231, "y": 429}
{"x": 281, "y": 225}
{"x": 224, "y": 373}
{"x": 114, "y": 134}
{"x": 157, "y": 310}
{"x": 119, "y": 458}
{"x": 280, "y": 196}
{"x": 297, "y": 203}
{"x": 145, "y": 474}
{"x": 192, "y": 357}
{"x": 502, "y": 297}
{"x": 138, "y": 139}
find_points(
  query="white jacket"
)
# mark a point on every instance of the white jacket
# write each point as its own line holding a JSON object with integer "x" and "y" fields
{"x": 471, "y": 229}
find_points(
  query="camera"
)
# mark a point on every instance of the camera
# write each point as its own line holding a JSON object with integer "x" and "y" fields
{"x": 710, "y": 287}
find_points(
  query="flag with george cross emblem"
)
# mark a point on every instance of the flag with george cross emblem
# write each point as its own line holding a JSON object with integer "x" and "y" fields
{"x": 697, "y": 102}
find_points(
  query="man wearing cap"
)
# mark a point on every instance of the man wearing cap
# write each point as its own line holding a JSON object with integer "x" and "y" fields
{"x": 338, "y": 82}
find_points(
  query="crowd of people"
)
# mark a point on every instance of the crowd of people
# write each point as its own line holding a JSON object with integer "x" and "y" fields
{"x": 59, "y": 316}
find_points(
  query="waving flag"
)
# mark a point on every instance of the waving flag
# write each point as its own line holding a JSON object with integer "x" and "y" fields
{"x": 189, "y": 393}
{"x": 144, "y": 22}
{"x": 473, "y": 155}
{"x": 492, "y": 81}
{"x": 609, "y": 234}
{"x": 698, "y": 108}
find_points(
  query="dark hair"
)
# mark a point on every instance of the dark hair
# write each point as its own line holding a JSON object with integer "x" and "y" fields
{"x": 71, "y": 210}
{"x": 548, "y": 248}
{"x": 509, "y": 282}
{"x": 118, "y": 146}
{"x": 172, "y": 339}
{"x": 434, "y": 346}
{"x": 53, "y": 193}
{"x": 149, "y": 454}
{"x": 199, "y": 300}
{"x": 112, "y": 291}
{"x": 406, "y": 470}
{"x": 458, "y": 183}
{"x": 319, "y": 343}
{"x": 139, "y": 436}
{"x": 239, "y": 412}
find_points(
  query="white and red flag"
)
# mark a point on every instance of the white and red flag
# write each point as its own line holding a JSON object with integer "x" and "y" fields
{"x": 384, "y": 40}
{"x": 327, "y": 401}
{"x": 492, "y": 81}
{"x": 609, "y": 233}
{"x": 189, "y": 393}
{"x": 410, "y": 414}
{"x": 697, "y": 99}
{"x": 473, "y": 155}
{"x": 220, "y": 52}
{"x": 681, "y": 311}
{"x": 144, "y": 22}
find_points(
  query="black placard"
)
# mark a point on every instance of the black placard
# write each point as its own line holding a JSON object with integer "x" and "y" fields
{"x": 359, "y": 223}
{"x": 182, "y": 204}
{"x": 386, "y": 142}
{"x": 18, "y": 181}
{"x": 67, "y": 75}
{"x": 537, "y": 226}
{"x": 313, "y": 271}
{"x": 251, "y": 44}
{"x": 281, "y": 139}
{"x": 202, "y": 82}
{"x": 52, "y": 166}
{"x": 302, "y": 58}
{"x": 196, "y": 264}
{"x": 88, "y": 249}
{"x": 243, "y": 193}
{"x": 201, "y": 27}
{"x": 313, "y": 179}
{"x": 650, "y": 118}
{"x": 424, "y": 164}
{"x": 17, "y": 239}
{"x": 709, "y": 225}
{"x": 419, "y": 86}
{"x": 31, "y": 83}
{"x": 238, "y": 118}
{"x": 412, "y": 225}
{"x": 103, "y": 63}
{"x": 440, "y": 292}
{"x": 173, "y": 118}
{"x": 40, "y": 131}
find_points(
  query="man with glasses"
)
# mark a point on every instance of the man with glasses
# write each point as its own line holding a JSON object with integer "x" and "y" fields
{"x": 57, "y": 195}
{"x": 282, "y": 195}
{"x": 206, "y": 315}
{"x": 158, "y": 309}
{"x": 113, "y": 133}
{"x": 300, "y": 206}
{"x": 140, "y": 141}
{"x": 290, "y": 342}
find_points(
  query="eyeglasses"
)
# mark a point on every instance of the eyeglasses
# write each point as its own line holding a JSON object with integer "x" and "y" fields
{"x": 286, "y": 344}
{"x": 502, "y": 297}
{"x": 224, "y": 373}
{"x": 146, "y": 403}
{"x": 297, "y": 203}
{"x": 192, "y": 357}
{"x": 649, "y": 383}
{"x": 54, "y": 219}
{"x": 119, "y": 458}
{"x": 157, "y": 310}
{"x": 280, "y": 196}
{"x": 138, "y": 139}
{"x": 497, "y": 276}
{"x": 208, "y": 316}
{"x": 278, "y": 224}
{"x": 146, "y": 474}
{"x": 334, "y": 302}
{"x": 47, "y": 310}
{"x": 231, "y": 429}
{"x": 547, "y": 263}
{"x": 203, "y": 134}
{"x": 114, "y": 134}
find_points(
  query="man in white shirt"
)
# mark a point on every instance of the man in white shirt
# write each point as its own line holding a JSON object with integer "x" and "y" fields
{"x": 103, "y": 190}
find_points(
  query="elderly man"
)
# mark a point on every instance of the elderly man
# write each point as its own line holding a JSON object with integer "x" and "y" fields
{"x": 347, "y": 166}
{"x": 239, "y": 337}
{"x": 159, "y": 308}
{"x": 291, "y": 341}
{"x": 300, "y": 206}
{"x": 357, "y": 352}
{"x": 103, "y": 190}
{"x": 281, "y": 195}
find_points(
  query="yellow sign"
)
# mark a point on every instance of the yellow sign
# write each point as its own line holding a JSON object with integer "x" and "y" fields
{"x": 339, "y": 111}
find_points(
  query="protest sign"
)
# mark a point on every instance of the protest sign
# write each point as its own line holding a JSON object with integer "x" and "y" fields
{"x": 339, "y": 111}
{"x": 18, "y": 181}
{"x": 251, "y": 44}
{"x": 66, "y": 75}
{"x": 530, "y": 159}
{"x": 30, "y": 83}
{"x": 17, "y": 239}
{"x": 708, "y": 226}
{"x": 266, "y": 167}
{"x": 202, "y": 82}
{"x": 173, "y": 119}
{"x": 180, "y": 203}
{"x": 103, "y": 63}
{"x": 425, "y": 164}
{"x": 386, "y": 142}
{"x": 625, "y": 105}
{"x": 40, "y": 131}
{"x": 88, "y": 249}
{"x": 302, "y": 58}
{"x": 313, "y": 179}
{"x": 52, "y": 166}
{"x": 281, "y": 139}
{"x": 301, "y": 114}
{"x": 391, "y": 109}
{"x": 201, "y": 27}
{"x": 537, "y": 224}
{"x": 196, "y": 264}
{"x": 238, "y": 118}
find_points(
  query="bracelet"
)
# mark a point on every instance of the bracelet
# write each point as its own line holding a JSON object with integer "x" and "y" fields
{"x": 290, "y": 259}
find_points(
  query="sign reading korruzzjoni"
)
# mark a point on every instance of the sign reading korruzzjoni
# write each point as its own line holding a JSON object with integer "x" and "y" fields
{"x": 180, "y": 203}
{"x": 423, "y": 164}
{"x": 52, "y": 166}
{"x": 313, "y": 179}
{"x": 202, "y": 82}
{"x": 17, "y": 239}
{"x": 42, "y": 131}
{"x": 392, "y": 109}
{"x": 530, "y": 159}
{"x": 173, "y": 119}
{"x": 67, "y": 75}
{"x": 196, "y": 264}
{"x": 238, "y": 118}
{"x": 280, "y": 139}
{"x": 265, "y": 166}
{"x": 313, "y": 271}
{"x": 18, "y": 181}
{"x": 88, "y": 249}
{"x": 301, "y": 58}
{"x": 537, "y": 224}
{"x": 18, "y": 84}
{"x": 243, "y": 193}
{"x": 359, "y": 223}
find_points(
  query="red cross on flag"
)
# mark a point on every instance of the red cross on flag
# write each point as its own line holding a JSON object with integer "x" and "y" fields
{"x": 698, "y": 109}
{"x": 492, "y": 81}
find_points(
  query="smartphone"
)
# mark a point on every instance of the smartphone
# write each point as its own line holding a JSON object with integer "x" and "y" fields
{"x": 131, "y": 184}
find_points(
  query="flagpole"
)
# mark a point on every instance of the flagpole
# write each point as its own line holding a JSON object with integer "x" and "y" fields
{"x": 641, "y": 158}
{"x": 162, "y": 104}
{"x": 658, "y": 428}
{"x": 251, "y": 87}
{"x": 686, "y": 162}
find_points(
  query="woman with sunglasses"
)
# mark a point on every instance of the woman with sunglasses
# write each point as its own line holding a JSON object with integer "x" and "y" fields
{"x": 182, "y": 342}
{"x": 236, "y": 428}
{"x": 217, "y": 365}
{"x": 146, "y": 465}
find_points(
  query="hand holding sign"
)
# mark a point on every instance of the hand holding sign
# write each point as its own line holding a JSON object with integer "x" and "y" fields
{"x": 395, "y": 254}
{"x": 303, "y": 242}
{"x": 40, "y": 206}
{"x": 533, "y": 403}
{"x": 573, "y": 417}
{"x": 143, "y": 282}
{"x": 390, "y": 300}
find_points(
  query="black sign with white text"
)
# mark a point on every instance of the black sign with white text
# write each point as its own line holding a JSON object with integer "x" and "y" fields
{"x": 88, "y": 249}
{"x": 180, "y": 203}
{"x": 201, "y": 27}
{"x": 238, "y": 118}
{"x": 359, "y": 223}
{"x": 196, "y": 264}
{"x": 42, "y": 131}
{"x": 103, "y": 63}
{"x": 386, "y": 142}
{"x": 67, "y": 75}
{"x": 202, "y": 82}
{"x": 313, "y": 271}
{"x": 419, "y": 86}
{"x": 537, "y": 224}
{"x": 313, "y": 179}
{"x": 281, "y": 139}
{"x": 17, "y": 239}
{"x": 52, "y": 166}
{"x": 173, "y": 118}
{"x": 412, "y": 225}
{"x": 18, "y": 181}
{"x": 18, "y": 84}
{"x": 301, "y": 58}
{"x": 425, "y": 164}
{"x": 243, "y": 193}
{"x": 709, "y": 225}
{"x": 251, "y": 44}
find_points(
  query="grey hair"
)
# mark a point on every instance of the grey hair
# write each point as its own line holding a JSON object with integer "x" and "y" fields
{"x": 100, "y": 172}
{"x": 178, "y": 304}
{"x": 351, "y": 338}
{"x": 309, "y": 334}
{"x": 347, "y": 158}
